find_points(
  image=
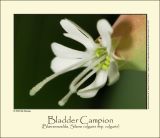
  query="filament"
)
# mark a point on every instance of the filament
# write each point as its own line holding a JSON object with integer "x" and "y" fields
{"x": 73, "y": 87}
{"x": 81, "y": 75}
{"x": 37, "y": 87}
{"x": 84, "y": 79}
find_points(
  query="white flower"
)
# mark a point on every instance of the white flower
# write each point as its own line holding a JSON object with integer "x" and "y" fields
{"x": 98, "y": 58}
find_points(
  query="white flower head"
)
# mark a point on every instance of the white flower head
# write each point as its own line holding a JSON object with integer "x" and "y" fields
{"x": 97, "y": 58}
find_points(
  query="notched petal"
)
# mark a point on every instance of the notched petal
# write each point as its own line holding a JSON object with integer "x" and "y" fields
{"x": 76, "y": 33}
{"x": 105, "y": 30}
{"x": 65, "y": 52}
{"x": 59, "y": 64}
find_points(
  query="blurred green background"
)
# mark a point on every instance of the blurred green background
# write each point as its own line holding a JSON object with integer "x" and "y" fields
{"x": 33, "y": 35}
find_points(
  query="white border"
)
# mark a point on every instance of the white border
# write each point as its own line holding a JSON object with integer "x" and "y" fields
{"x": 134, "y": 123}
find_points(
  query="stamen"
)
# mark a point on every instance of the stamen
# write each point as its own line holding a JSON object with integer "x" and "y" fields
{"x": 85, "y": 78}
{"x": 73, "y": 88}
{"x": 37, "y": 87}
{"x": 100, "y": 52}
{"x": 81, "y": 75}
{"x": 64, "y": 100}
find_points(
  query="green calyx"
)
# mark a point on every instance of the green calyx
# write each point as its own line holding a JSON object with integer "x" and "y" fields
{"x": 104, "y": 65}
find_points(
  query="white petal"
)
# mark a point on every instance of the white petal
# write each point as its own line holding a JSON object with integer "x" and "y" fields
{"x": 91, "y": 90}
{"x": 105, "y": 30}
{"x": 81, "y": 36}
{"x": 113, "y": 73}
{"x": 104, "y": 25}
{"x": 65, "y": 52}
{"x": 86, "y": 42}
{"x": 58, "y": 64}
{"x": 73, "y": 28}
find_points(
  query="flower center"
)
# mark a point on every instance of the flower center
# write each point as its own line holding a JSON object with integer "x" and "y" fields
{"x": 104, "y": 65}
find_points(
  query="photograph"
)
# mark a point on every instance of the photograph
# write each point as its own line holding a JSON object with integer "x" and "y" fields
{"x": 80, "y": 61}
